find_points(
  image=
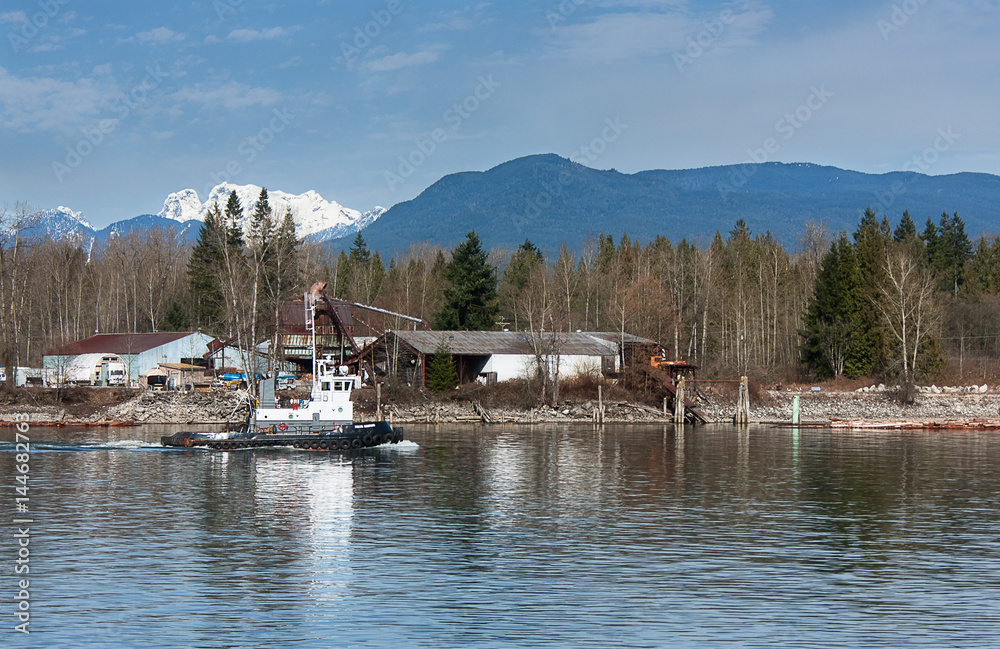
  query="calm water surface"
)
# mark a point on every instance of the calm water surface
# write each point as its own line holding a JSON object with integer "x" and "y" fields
{"x": 498, "y": 536}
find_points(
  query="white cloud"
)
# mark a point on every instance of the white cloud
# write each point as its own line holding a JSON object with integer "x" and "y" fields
{"x": 49, "y": 46}
{"x": 247, "y": 35}
{"x": 13, "y": 17}
{"x": 159, "y": 36}
{"x": 402, "y": 60}
{"x": 231, "y": 96}
{"x": 460, "y": 20}
{"x": 46, "y": 104}
{"x": 292, "y": 62}
{"x": 622, "y": 35}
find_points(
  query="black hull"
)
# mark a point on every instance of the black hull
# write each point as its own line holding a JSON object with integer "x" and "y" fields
{"x": 361, "y": 435}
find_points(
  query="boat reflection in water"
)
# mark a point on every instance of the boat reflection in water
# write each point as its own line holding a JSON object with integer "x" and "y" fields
{"x": 321, "y": 494}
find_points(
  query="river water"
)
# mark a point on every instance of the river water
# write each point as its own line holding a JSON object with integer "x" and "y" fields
{"x": 569, "y": 536}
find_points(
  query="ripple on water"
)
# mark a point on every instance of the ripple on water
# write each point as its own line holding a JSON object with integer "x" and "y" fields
{"x": 544, "y": 536}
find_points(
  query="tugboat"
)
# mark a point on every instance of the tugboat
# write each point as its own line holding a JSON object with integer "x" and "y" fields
{"x": 325, "y": 422}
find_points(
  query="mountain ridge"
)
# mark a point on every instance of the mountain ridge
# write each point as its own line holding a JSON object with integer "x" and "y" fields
{"x": 316, "y": 218}
{"x": 552, "y": 200}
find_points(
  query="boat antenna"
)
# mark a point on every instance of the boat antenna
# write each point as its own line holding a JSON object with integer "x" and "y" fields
{"x": 310, "y": 306}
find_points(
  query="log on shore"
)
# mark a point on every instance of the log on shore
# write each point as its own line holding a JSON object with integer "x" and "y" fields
{"x": 950, "y": 424}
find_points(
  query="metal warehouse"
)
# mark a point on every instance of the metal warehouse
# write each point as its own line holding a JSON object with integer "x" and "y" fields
{"x": 492, "y": 356}
{"x": 140, "y": 352}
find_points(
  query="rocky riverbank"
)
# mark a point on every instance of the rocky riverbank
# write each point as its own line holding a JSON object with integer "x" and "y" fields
{"x": 129, "y": 406}
{"x": 219, "y": 406}
{"x": 869, "y": 406}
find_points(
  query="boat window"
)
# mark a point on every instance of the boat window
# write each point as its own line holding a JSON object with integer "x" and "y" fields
{"x": 325, "y": 385}
{"x": 338, "y": 386}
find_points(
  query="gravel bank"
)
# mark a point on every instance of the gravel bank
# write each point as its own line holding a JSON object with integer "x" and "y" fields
{"x": 876, "y": 406}
{"x": 219, "y": 406}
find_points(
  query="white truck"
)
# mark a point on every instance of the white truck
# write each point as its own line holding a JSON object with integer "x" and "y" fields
{"x": 96, "y": 369}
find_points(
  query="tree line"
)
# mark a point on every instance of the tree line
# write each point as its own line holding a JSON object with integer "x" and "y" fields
{"x": 885, "y": 301}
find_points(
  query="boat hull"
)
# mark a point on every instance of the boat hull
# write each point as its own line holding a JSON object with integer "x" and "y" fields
{"x": 341, "y": 438}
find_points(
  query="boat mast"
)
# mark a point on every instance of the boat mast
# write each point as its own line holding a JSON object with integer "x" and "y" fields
{"x": 310, "y": 306}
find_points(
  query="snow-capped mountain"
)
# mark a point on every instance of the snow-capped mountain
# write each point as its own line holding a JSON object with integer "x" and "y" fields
{"x": 316, "y": 218}
{"x": 61, "y": 223}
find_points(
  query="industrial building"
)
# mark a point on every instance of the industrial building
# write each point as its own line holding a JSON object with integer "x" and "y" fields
{"x": 492, "y": 356}
{"x": 140, "y": 352}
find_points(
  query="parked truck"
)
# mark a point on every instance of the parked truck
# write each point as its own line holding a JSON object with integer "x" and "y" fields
{"x": 96, "y": 369}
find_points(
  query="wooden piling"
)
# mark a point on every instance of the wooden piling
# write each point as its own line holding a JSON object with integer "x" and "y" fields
{"x": 743, "y": 404}
{"x": 599, "y": 413}
{"x": 679, "y": 402}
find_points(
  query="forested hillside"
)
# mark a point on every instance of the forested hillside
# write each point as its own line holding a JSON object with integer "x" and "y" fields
{"x": 890, "y": 300}
{"x": 553, "y": 201}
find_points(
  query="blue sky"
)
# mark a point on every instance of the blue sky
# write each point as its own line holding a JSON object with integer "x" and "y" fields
{"x": 107, "y": 107}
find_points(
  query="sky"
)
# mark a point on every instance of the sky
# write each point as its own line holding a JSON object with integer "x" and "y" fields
{"x": 108, "y": 107}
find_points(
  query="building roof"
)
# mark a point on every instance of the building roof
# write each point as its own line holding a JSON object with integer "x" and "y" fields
{"x": 182, "y": 367}
{"x": 617, "y": 336}
{"x": 293, "y": 317}
{"x": 484, "y": 343}
{"x": 118, "y": 343}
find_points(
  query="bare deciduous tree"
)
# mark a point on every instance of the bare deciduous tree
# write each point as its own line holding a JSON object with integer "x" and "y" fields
{"x": 907, "y": 305}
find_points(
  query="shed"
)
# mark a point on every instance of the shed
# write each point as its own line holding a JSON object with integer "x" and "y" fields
{"x": 494, "y": 355}
{"x": 153, "y": 379}
{"x": 181, "y": 375}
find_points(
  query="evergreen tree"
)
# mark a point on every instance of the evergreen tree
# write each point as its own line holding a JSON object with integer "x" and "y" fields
{"x": 521, "y": 263}
{"x": 261, "y": 229}
{"x": 359, "y": 251}
{"x": 952, "y": 252}
{"x": 930, "y": 238}
{"x": 984, "y": 271}
{"x": 830, "y": 340}
{"x": 344, "y": 277}
{"x": 905, "y": 230}
{"x": 441, "y": 373}
{"x": 372, "y": 280}
{"x": 516, "y": 276}
{"x": 286, "y": 252}
{"x": 233, "y": 221}
{"x": 871, "y": 243}
{"x": 605, "y": 253}
{"x": 204, "y": 268}
{"x": 176, "y": 318}
{"x": 470, "y": 299}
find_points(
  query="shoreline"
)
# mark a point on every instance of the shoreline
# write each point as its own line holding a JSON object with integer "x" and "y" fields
{"x": 831, "y": 409}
